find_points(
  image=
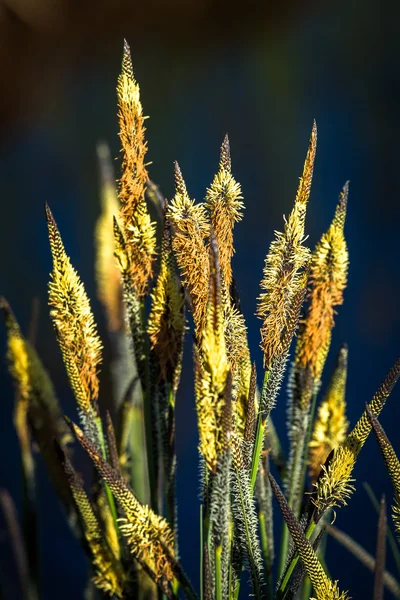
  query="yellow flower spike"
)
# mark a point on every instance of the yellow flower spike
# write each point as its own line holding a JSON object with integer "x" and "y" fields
{"x": 74, "y": 323}
{"x": 224, "y": 200}
{"x": 331, "y": 425}
{"x": 284, "y": 265}
{"x": 392, "y": 464}
{"x": 191, "y": 227}
{"x": 108, "y": 278}
{"x": 328, "y": 278}
{"x": 324, "y": 588}
{"x": 335, "y": 483}
{"x": 148, "y": 535}
{"x": 238, "y": 354}
{"x": 211, "y": 370}
{"x": 109, "y": 576}
{"x": 166, "y": 323}
{"x": 138, "y": 228}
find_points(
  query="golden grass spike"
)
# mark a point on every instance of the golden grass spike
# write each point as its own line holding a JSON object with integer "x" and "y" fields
{"x": 166, "y": 324}
{"x": 238, "y": 354}
{"x": 211, "y": 369}
{"x": 284, "y": 266}
{"x": 324, "y": 588}
{"x": 328, "y": 278}
{"x": 109, "y": 575}
{"x": 392, "y": 464}
{"x": 148, "y": 535}
{"x": 335, "y": 484}
{"x": 138, "y": 228}
{"x": 191, "y": 227}
{"x": 108, "y": 278}
{"x": 74, "y": 323}
{"x": 224, "y": 200}
{"x": 331, "y": 425}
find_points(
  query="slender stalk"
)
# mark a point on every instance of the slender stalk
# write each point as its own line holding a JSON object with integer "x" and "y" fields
{"x": 260, "y": 429}
{"x": 149, "y": 423}
{"x": 307, "y": 443}
{"x": 218, "y": 573}
{"x": 391, "y": 538}
{"x": 299, "y": 461}
{"x": 201, "y": 554}
{"x": 266, "y": 555}
{"x": 110, "y": 497}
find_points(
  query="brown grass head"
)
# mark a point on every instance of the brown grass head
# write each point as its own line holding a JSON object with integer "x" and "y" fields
{"x": 284, "y": 266}
{"x": 138, "y": 227}
{"x": 224, "y": 201}
{"x": 328, "y": 278}
{"x": 190, "y": 230}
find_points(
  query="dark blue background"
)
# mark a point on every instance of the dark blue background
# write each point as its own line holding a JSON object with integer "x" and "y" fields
{"x": 263, "y": 86}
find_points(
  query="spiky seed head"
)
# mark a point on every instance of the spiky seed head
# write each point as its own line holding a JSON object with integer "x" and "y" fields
{"x": 148, "y": 535}
{"x": 108, "y": 576}
{"x": 139, "y": 230}
{"x": 334, "y": 485}
{"x": 324, "y": 588}
{"x": 328, "y": 278}
{"x": 284, "y": 266}
{"x": 224, "y": 201}
{"x": 191, "y": 227}
{"x": 74, "y": 323}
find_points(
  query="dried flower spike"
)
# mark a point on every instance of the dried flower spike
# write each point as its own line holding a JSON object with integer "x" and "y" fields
{"x": 284, "y": 266}
{"x": 138, "y": 227}
{"x": 74, "y": 323}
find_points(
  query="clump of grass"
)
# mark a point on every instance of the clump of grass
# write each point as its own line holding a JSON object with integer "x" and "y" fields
{"x": 127, "y": 518}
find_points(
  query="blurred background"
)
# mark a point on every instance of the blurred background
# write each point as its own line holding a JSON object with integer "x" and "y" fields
{"x": 261, "y": 72}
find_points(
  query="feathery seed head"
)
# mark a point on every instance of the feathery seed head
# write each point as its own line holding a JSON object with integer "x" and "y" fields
{"x": 191, "y": 227}
{"x": 74, "y": 323}
{"x": 284, "y": 266}
{"x": 224, "y": 201}
{"x": 139, "y": 230}
{"x": 328, "y": 278}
